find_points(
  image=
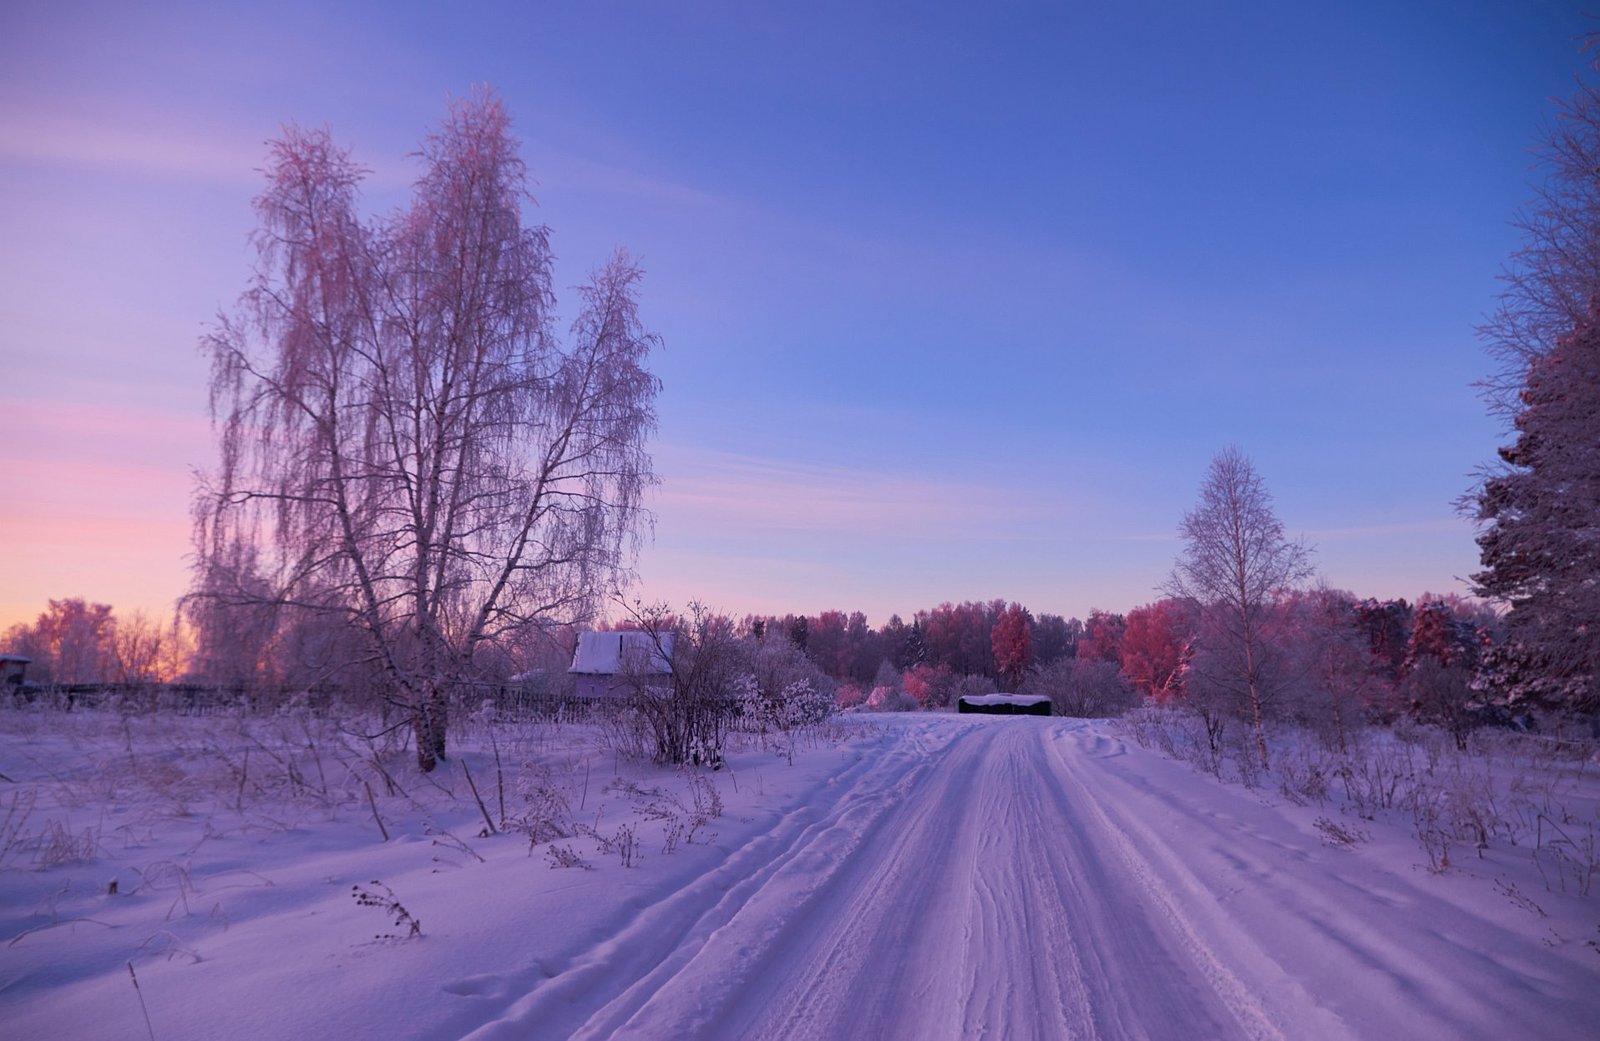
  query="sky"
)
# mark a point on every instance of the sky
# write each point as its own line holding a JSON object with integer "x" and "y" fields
{"x": 957, "y": 300}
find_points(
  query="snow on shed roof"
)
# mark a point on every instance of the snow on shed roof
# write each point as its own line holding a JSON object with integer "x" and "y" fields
{"x": 609, "y": 654}
{"x": 1003, "y": 699}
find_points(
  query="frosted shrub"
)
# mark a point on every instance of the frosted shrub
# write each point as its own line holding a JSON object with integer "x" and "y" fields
{"x": 1304, "y": 775}
{"x": 1376, "y": 776}
{"x": 1469, "y": 813}
{"x": 1202, "y": 741}
{"x": 1160, "y": 728}
{"x": 891, "y": 699}
{"x": 798, "y": 704}
{"x": 1177, "y": 733}
{"x": 13, "y": 824}
{"x": 1568, "y": 850}
{"x": 684, "y": 716}
{"x": 783, "y": 674}
{"x": 1427, "y": 813}
{"x": 1148, "y": 725}
{"x": 974, "y": 686}
{"x": 804, "y": 706}
{"x": 681, "y": 823}
{"x": 624, "y": 842}
{"x": 485, "y": 716}
{"x": 58, "y": 844}
{"x": 1452, "y": 798}
{"x": 546, "y": 813}
{"x": 629, "y": 732}
{"x": 565, "y": 857}
{"x": 1085, "y": 689}
{"x": 1247, "y": 764}
{"x": 1471, "y": 804}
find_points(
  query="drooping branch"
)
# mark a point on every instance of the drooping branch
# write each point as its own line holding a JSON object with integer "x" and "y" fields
{"x": 403, "y": 442}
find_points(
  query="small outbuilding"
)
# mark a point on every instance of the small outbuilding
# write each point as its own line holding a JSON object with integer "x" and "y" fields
{"x": 1005, "y": 704}
{"x": 14, "y": 669}
{"x": 617, "y": 663}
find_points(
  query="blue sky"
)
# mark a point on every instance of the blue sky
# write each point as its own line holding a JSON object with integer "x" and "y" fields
{"x": 958, "y": 300}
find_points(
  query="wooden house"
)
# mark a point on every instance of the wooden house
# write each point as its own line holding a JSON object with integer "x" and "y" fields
{"x": 614, "y": 664}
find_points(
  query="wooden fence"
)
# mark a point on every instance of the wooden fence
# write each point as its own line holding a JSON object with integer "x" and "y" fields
{"x": 506, "y": 702}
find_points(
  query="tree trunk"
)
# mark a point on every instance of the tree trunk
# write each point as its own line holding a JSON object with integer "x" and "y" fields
{"x": 426, "y": 760}
{"x": 429, "y": 720}
{"x": 1253, "y": 685}
{"x": 1260, "y": 727}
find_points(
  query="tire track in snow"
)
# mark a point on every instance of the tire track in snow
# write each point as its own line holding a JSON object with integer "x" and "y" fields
{"x": 1327, "y": 943}
{"x": 618, "y": 974}
{"x": 919, "y": 938}
{"x": 986, "y": 898}
{"x": 793, "y": 959}
{"x": 1029, "y": 979}
{"x": 1194, "y": 993}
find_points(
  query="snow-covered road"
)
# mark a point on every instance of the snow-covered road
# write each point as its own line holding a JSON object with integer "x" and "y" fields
{"x": 1016, "y": 878}
{"x": 915, "y": 876}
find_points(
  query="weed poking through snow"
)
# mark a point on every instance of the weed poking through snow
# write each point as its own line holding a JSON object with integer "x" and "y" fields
{"x": 381, "y": 896}
{"x": 142, "y": 1008}
{"x": 547, "y": 813}
{"x": 565, "y": 857}
{"x": 624, "y": 843}
{"x": 1336, "y": 834}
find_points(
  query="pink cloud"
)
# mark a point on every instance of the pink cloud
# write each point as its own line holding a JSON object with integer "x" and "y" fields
{"x": 75, "y": 140}
{"x": 160, "y": 143}
{"x": 753, "y": 495}
{"x": 97, "y": 505}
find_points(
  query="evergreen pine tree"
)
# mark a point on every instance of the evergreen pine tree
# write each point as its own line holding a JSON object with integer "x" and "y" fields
{"x": 1541, "y": 545}
{"x": 1541, "y": 550}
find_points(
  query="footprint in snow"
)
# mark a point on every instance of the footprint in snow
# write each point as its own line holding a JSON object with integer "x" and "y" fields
{"x": 486, "y": 986}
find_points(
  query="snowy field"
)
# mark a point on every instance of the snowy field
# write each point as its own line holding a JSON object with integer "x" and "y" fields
{"x": 917, "y": 876}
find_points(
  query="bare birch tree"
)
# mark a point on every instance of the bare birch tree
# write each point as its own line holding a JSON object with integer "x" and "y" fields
{"x": 1235, "y": 558}
{"x": 137, "y": 648}
{"x": 404, "y": 443}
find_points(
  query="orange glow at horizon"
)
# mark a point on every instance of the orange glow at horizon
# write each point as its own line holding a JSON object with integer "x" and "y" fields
{"x": 94, "y": 508}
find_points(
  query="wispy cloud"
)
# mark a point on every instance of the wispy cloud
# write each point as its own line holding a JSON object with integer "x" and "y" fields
{"x": 569, "y": 171}
{"x": 119, "y": 435}
{"x": 155, "y": 143}
{"x": 1452, "y": 525}
{"x": 754, "y": 494}
{"x": 74, "y": 139}
{"x": 1361, "y": 531}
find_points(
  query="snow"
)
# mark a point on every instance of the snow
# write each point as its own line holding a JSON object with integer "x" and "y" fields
{"x": 909, "y": 876}
{"x": 612, "y": 653}
{"x": 1004, "y": 699}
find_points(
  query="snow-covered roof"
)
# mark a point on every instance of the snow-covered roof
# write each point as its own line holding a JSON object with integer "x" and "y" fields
{"x": 1003, "y": 699}
{"x": 611, "y": 654}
